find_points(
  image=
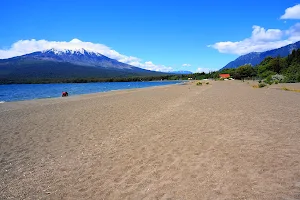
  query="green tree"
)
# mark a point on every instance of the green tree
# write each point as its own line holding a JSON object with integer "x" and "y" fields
{"x": 275, "y": 64}
{"x": 245, "y": 71}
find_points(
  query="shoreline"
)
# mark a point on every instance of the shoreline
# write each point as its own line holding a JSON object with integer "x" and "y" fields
{"x": 11, "y": 105}
{"x": 75, "y": 95}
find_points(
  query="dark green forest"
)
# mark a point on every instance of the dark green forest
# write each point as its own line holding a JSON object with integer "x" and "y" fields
{"x": 197, "y": 76}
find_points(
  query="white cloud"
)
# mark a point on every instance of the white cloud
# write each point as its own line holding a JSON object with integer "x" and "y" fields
{"x": 22, "y": 47}
{"x": 149, "y": 65}
{"x": 294, "y": 32}
{"x": 186, "y": 65}
{"x": 206, "y": 70}
{"x": 261, "y": 34}
{"x": 292, "y": 13}
{"x": 260, "y": 40}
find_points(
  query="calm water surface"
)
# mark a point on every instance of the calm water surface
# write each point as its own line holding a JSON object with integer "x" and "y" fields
{"x": 19, "y": 92}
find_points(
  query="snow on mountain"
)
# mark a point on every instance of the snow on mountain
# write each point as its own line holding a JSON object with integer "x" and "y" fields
{"x": 56, "y": 64}
{"x": 79, "y": 57}
{"x": 71, "y": 51}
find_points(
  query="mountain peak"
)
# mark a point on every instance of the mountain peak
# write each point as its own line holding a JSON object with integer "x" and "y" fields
{"x": 255, "y": 58}
{"x": 75, "y": 51}
{"x": 78, "y": 56}
{"x": 66, "y": 63}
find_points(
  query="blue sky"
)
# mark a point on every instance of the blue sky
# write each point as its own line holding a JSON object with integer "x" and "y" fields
{"x": 203, "y": 35}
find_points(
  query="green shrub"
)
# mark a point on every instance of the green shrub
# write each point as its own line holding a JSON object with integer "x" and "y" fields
{"x": 199, "y": 83}
{"x": 207, "y": 83}
{"x": 261, "y": 85}
{"x": 276, "y": 82}
{"x": 269, "y": 80}
{"x": 291, "y": 78}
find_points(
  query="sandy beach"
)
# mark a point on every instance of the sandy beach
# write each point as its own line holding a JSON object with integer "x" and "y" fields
{"x": 225, "y": 140}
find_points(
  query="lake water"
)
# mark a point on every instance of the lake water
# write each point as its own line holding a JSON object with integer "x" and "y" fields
{"x": 19, "y": 92}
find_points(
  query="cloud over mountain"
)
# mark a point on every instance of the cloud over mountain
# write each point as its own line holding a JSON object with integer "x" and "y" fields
{"x": 292, "y": 13}
{"x": 261, "y": 40}
{"x": 22, "y": 47}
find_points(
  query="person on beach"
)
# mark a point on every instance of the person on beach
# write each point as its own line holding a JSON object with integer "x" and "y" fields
{"x": 64, "y": 94}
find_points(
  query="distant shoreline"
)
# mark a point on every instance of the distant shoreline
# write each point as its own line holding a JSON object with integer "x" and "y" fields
{"x": 26, "y": 83}
{"x": 174, "y": 77}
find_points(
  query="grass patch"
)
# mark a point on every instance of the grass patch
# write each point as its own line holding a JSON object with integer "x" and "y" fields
{"x": 290, "y": 89}
{"x": 261, "y": 85}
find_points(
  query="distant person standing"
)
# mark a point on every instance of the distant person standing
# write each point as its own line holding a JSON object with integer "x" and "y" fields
{"x": 64, "y": 94}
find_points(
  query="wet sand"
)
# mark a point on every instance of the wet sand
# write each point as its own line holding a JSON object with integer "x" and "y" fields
{"x": 225, "y": 140}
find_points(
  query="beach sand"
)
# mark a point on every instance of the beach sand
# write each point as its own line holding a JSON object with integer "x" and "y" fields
{"x": 225, "y": 140}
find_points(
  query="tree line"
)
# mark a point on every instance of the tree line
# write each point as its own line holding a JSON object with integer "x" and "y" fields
{"x": 285, "y": 69}
{"x": 168, "y": 77}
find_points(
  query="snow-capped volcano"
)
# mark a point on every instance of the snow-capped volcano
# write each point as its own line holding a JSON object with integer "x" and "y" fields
{"x": 64, "y": 64}
{"x": 79, "y": 57}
